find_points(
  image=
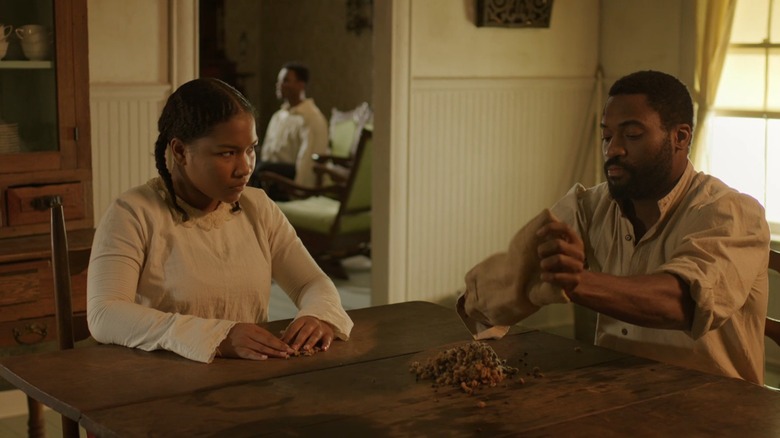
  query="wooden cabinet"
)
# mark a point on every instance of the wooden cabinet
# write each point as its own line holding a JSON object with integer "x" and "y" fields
{"x": 27, "y": 288}
{"x": 44, "y": 152}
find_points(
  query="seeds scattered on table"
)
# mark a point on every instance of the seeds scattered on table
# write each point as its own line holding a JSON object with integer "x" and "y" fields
{"x": 301, "y": 352}
{"x": 468, "y": 367}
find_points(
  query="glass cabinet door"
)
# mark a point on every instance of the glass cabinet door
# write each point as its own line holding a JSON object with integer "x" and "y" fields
{"x": 28, "y": 78}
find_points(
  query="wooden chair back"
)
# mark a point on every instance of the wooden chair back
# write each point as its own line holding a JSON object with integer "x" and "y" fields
{"x": 774, "y": 260}
{"x": 336, "y": 223}
{"x": 772, "y": 327}
{"x": 344, "y": 128}
{"x": 356, "y": 197}
{"x": 60, "y": 264}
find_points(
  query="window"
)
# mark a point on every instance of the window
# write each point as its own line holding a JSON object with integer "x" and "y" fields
{"x": 743, "y": 139}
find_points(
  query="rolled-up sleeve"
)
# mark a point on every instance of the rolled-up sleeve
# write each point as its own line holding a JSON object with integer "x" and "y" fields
{"x": 722, "y": 254}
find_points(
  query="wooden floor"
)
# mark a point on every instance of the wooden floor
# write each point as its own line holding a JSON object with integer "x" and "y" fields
{"x": 355, "y": 294}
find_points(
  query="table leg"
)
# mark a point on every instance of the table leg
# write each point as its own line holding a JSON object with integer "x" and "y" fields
{"x": 35, "y": 422}
{"x": 70, "y": 428}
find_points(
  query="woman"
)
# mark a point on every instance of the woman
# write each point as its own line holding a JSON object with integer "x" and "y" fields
{"x": 184, "y": 263}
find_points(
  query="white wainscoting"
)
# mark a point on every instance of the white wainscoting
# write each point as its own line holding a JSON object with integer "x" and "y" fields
{"x": 485, "y": 156}
{"x": 124, "y": 128}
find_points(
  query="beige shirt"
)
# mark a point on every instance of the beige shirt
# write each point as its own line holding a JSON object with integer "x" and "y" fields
{"x": 293, "y": 135}
{"x": 713, "y": 238}
{"x": 155, "y": 282}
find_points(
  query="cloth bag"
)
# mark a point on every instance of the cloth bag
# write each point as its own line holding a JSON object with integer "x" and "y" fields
{"x": 505, "y": 288}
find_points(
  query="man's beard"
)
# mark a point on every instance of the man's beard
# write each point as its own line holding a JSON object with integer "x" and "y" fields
{"x": 650, "y": 180}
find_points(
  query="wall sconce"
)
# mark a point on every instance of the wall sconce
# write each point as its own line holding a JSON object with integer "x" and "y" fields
{"x": 360, "y": 15}
{"x": 514, "y": 13}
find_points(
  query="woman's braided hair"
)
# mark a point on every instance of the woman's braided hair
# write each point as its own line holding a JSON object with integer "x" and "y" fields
{"x": 190, "y": 113}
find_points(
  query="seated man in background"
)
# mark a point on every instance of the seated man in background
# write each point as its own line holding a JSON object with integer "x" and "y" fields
{"x": 296, "y": 131}
{"x": 673, "y": 261}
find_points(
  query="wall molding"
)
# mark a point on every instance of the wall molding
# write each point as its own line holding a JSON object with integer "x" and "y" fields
{"x": 498, "y": 82}
{"x": 101, "y": 91}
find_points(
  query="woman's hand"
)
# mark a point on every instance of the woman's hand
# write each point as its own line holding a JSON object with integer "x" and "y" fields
{"x": 308, "y": 331}
{"x": 250, "y": 341}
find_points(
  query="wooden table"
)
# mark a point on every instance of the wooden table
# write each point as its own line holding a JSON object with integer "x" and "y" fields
{"x": 364, "y": 388}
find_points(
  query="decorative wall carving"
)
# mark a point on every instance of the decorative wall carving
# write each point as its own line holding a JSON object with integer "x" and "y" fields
{"x": 514, "y": 13}
{"x": 360, "y": 15}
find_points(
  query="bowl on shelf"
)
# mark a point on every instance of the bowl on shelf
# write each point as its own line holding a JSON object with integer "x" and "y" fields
{"x": 31, "y": 31}
{"x": 35, "y": 50}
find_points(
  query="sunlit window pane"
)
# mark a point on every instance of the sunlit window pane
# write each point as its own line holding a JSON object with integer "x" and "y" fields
{"x": 773, "y": 173}
{"x": 773, "y": 91}
{"x": 742, "y": 81}
{"x": 774, "y": 33}
{"x": 750, "y": 21}
{"x": 736, "y": 146}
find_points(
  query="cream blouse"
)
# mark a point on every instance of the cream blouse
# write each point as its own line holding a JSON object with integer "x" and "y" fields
{"x": 155, "y": 282}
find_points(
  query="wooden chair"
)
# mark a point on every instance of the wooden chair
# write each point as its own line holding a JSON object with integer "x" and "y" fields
{"x": 344, "y": 128}
{"x": 64, "y": 262}
{"x": 343, "y": 135}
{"x": 60, "y": 263}
{"x": 335, "y": 222}
{"x": 772, "y": 328}
{"x": 331, "y": 168}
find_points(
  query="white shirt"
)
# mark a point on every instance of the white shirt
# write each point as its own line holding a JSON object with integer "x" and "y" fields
{"x": 293, "y": 135}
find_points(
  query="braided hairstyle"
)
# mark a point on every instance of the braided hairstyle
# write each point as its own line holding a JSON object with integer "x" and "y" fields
{"x": 190, "y": 113}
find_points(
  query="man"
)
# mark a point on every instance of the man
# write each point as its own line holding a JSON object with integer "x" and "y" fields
{"x": 673, "y": 260}
{"x": 296, "y": 131}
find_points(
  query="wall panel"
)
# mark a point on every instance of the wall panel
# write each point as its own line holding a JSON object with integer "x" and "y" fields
{"x": 485, "y": 156}
{"x": 124, "y": 128}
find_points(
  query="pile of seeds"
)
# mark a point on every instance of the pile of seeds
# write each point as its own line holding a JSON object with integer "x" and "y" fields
{"x": 468, "y": 367}
{"x": 301, "y": 352}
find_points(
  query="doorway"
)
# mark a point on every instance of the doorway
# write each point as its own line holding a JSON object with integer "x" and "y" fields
{"x": 245, "y": 43}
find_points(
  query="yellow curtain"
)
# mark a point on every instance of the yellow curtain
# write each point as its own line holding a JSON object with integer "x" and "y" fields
{"x": 713, "y": 30}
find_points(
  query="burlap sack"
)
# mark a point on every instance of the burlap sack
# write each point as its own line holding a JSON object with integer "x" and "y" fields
{"x": 505, "y": 288}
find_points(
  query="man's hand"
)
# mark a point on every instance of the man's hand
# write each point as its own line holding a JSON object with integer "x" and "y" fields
{"x": 250, "y": 341}
{"x": 562, "y": 255}
{"x": 308, "y": 331}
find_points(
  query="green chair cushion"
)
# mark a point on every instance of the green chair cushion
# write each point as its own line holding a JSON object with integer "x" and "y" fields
{"x": 342, "y": 136}
{"x": 318, "y": 213}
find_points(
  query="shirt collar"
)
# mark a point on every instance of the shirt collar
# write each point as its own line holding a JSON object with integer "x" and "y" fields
{"x": 673, "y": 197}
{"x": 678, "y": 191}
{"x": 297, "y": 108}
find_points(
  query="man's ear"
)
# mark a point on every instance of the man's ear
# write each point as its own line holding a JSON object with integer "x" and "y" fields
{"x": 682, "y": 136}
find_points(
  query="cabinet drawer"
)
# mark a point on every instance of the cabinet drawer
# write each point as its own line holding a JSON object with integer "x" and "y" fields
{"x": 27, "y": 288}
{"x": 20, "y": 283}
{"x": 21, "y": 208}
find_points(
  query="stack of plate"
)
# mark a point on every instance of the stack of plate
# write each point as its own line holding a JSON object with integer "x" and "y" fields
{"x": 10, "y": 142}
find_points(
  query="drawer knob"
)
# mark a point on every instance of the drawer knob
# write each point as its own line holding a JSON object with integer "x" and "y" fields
{"x": 46, "y": 202}
{"x": 30, "y": 334}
